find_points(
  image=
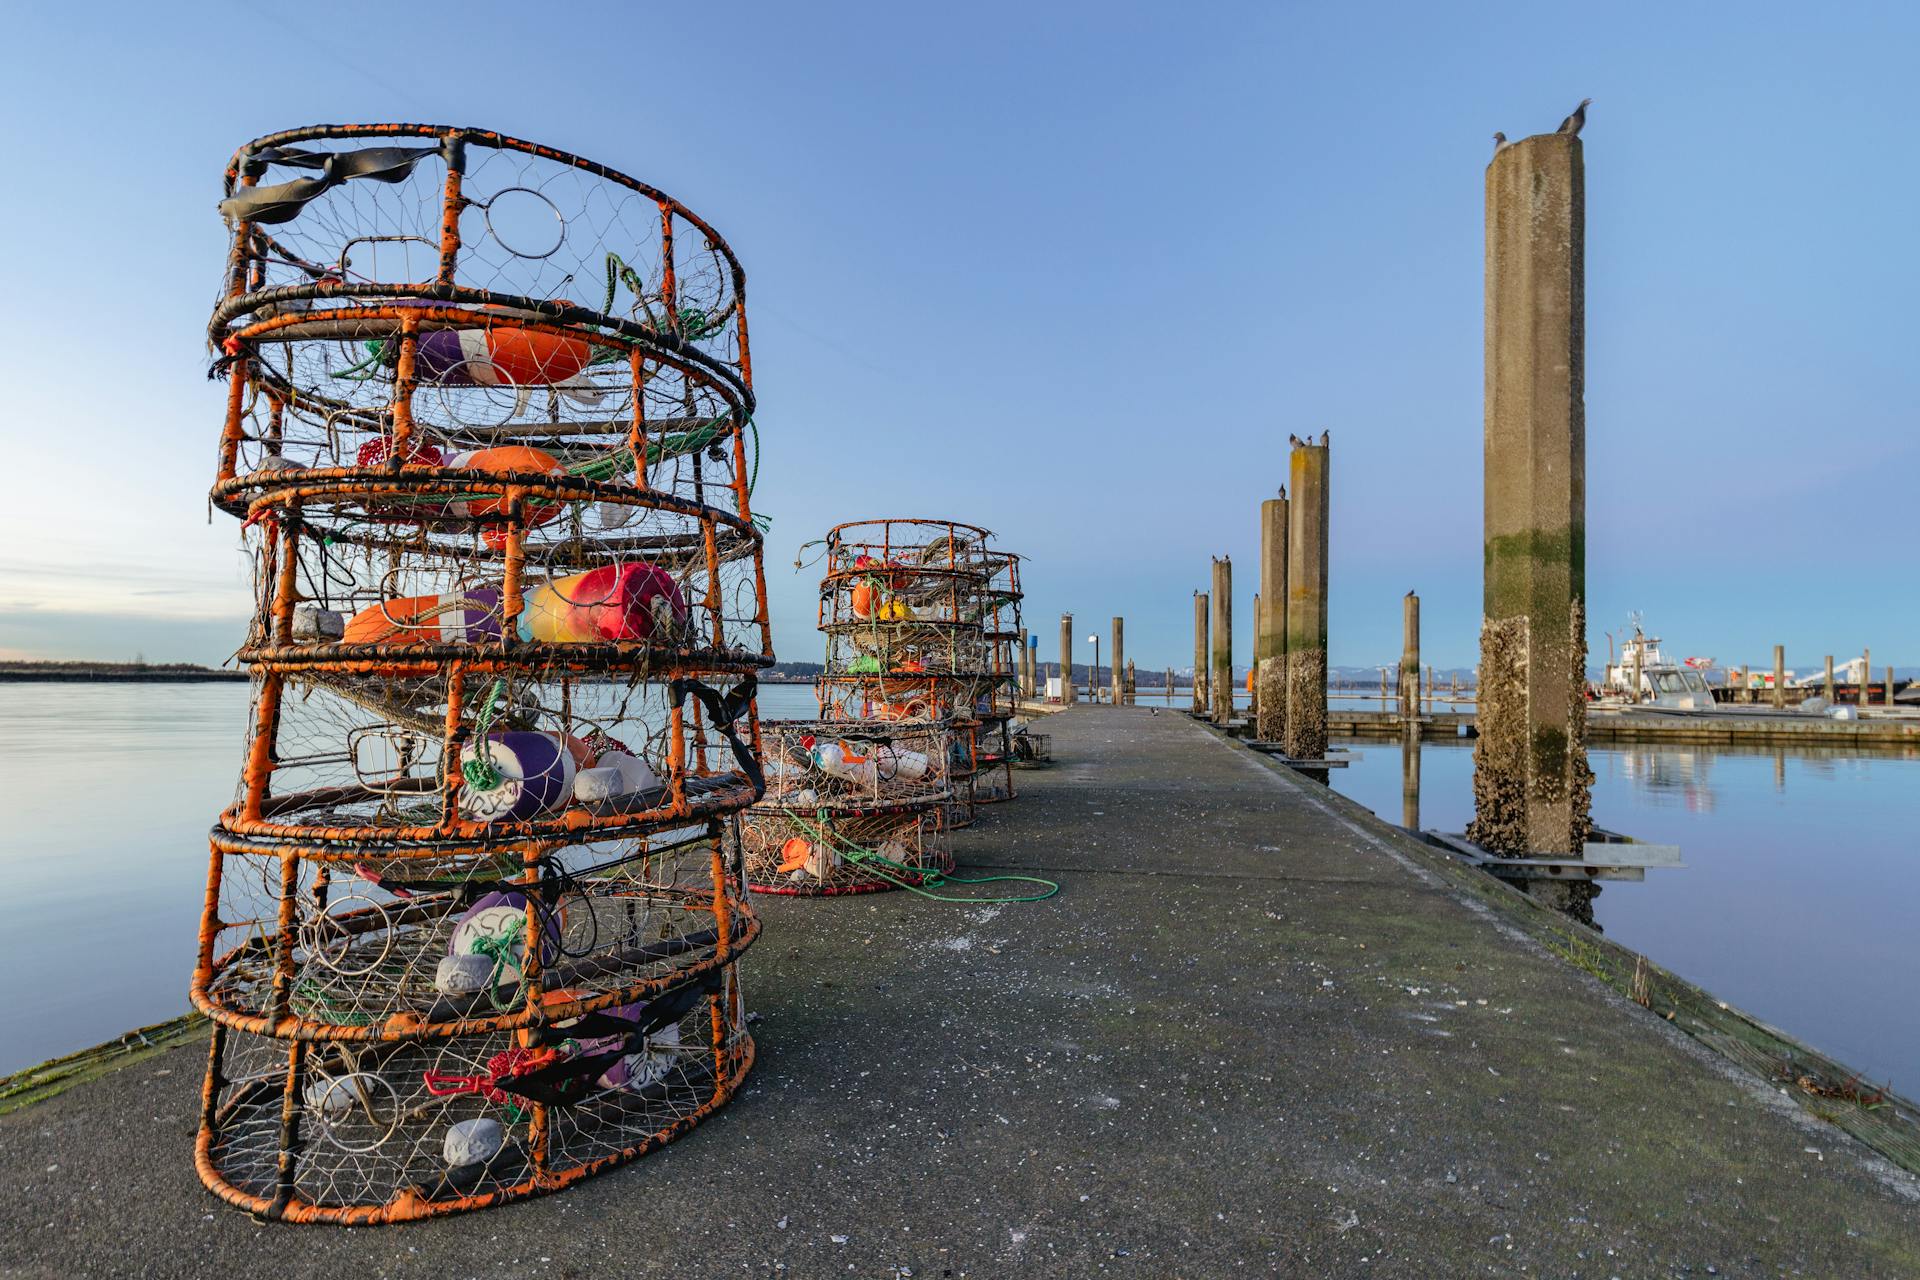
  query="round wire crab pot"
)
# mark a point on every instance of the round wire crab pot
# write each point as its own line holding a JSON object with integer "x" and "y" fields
{"x": 851, "y": 806}
{"x": 473, "y": 917}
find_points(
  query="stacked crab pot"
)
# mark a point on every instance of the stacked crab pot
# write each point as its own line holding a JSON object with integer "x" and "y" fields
{"x": 472, "y": 918}
{"x": 998, "y": 697}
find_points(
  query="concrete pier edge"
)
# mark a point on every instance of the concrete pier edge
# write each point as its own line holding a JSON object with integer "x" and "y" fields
{"x": 1734, "y": 1037}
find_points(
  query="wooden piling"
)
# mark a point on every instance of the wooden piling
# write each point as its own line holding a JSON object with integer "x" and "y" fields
{"x": 1780, "y": 677}
{"x": 1829, "y": 685}
{"x": 1119, "y": 661}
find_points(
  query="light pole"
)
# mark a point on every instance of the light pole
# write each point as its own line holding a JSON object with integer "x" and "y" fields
{"x": 1093, "y": 676}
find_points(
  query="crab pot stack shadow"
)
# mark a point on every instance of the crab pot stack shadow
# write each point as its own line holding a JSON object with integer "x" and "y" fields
{"x": 472, "y": 920}
{"x": 852, "y": 806}
{"x": 997, "y": 703}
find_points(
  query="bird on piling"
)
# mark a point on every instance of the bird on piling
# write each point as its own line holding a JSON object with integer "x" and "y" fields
{"x": 1326, "y": 438}
{"x": 1293, "y": 440}
{"x": 1500, "y": 143}
{"x": 1574, "y": 123}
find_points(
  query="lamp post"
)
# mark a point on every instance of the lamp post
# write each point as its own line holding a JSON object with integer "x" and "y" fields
{"x": 1093, "y": 676}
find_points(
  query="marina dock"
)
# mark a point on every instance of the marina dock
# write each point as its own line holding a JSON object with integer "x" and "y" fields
{"x": 1703, "y": 728}
{"x": 1259, "y": 1031}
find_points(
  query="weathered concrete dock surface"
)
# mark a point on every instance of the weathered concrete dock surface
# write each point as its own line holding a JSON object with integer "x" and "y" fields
{"x": 1252, "y": 1036}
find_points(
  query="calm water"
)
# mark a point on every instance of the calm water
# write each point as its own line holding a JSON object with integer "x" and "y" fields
{"x": 110, "y": 789}
{"x": 1790, "y": 904}
{"x": 1794, "y": 902}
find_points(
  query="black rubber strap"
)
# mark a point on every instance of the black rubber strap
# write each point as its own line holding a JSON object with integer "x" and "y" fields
{"x": 283, "y": 201}
{"x": 723, "y": 712}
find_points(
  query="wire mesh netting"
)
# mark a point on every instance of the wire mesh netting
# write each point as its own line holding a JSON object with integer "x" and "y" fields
{"x": 473, "y": 914}
{"x": 850, "y": 806}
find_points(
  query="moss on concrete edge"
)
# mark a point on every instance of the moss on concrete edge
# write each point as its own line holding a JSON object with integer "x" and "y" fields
{"x": 50, "y": 1079}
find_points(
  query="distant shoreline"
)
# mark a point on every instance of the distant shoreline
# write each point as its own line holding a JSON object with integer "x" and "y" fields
{"x": 112, "y": 673}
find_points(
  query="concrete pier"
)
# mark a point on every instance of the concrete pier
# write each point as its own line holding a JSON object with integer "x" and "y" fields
{"x": 1202, "y": 654}
{"x": 1220, "y": 674}
{"x": 1066, "y": 661}
{"x": 1532, "y": 785}
{"x": 1260, "y": 1032}
{"x": 1409, "y": 655}
{"x": 1305, "y": 736}
{"x": 1119, "y": 681}
{"x": 1270, "y": 624}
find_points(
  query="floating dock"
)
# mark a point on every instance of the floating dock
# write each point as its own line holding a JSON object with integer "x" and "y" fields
{"x": 1698, "y": 728}
{"x": 1260, "y": 1031}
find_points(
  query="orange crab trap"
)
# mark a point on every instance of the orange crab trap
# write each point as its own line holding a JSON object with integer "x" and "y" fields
{"x": 473, "y": 916}
{"x": 851, "y": 806}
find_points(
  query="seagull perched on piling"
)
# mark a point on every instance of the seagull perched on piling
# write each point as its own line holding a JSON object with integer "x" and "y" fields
{"x": 1577, "y": 121}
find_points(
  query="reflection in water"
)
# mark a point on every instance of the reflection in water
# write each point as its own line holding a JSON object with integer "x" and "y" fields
{"x": 1676, "y": 775}
{"x": 1410, "y": 776}
{"x": 110, "y": 790}
{"x": 1781, "y": 906}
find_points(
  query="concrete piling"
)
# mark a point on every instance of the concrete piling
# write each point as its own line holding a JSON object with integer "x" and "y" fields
{"x": 1220, "y": 675}
{"x": 1270, "y": 624}
{"x": 1532, "y": 787}
{"x": 1253, "y": 670}
{"x": 1066, "y": 660}
{"x": 1779, "y": 677}
{"x": 1305, "y": 731}
{"x": 1409, "y": 654}
{"x": 1201, "y": 656}
{"x": 1119, "y": 661}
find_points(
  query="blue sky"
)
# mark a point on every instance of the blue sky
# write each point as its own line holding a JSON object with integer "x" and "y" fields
{"x": 1072, "y": 272}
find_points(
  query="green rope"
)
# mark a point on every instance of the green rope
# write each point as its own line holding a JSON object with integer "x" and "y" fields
{"x": 499, "y": 949}
{"x": 377, "y": 349}
{"x": 923, "y": 879}
{"x": 690, "y": 322}
{"x": 308, "y": 995}
{"x": 479, "y": 771}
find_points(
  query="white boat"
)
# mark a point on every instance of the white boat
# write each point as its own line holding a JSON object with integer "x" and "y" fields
{"x": 1645, "y": 677}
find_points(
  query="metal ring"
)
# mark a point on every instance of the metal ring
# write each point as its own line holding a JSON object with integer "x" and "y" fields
{"x": 486, "y": 212}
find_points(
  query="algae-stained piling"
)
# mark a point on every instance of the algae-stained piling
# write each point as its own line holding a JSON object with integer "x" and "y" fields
{"x": 1270, "y": 624}
{"x": 1220, "y": 681}
{"x": 1410, "y": 656}
{"x": 1305, "y": 731}
{"x": 1200, "y": 655}
{"x": 1066, "y": 661}
{"x": 1531, "y": 782}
